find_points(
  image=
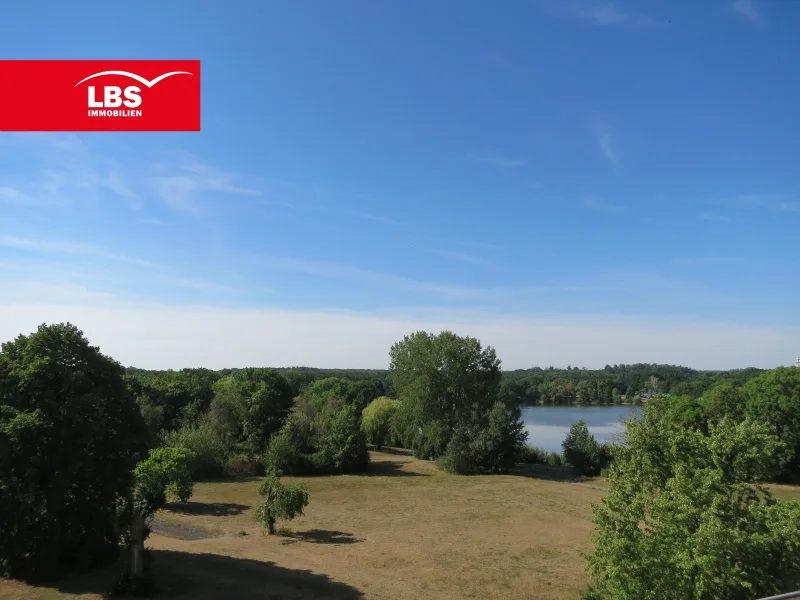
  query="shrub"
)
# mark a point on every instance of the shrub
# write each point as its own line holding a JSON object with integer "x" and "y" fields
{"x": 203, "y": 441}
{"x": 583, "y": 452}
{"x": 243, "y": 465}
{"x": 280, "y": 502}
{"x": 376, "y": 420}
{"x": 459, "y": 457}
{"x": 539, "y": 456}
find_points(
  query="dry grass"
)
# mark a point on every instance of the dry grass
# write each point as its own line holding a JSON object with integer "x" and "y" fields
{"x": 404, "y": 531}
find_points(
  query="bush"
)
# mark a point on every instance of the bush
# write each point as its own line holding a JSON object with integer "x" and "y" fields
{"x": 583, "y": 452}
{"x": 243, "y": 465}
{"x": 209, "y": 450}
{"x": 539, "y": 456}
{"x": 342, "y": 446}
{"x": 459, "y": 457}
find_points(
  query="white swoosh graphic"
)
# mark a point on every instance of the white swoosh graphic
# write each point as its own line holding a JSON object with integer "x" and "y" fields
{"x": 138, "y": 78}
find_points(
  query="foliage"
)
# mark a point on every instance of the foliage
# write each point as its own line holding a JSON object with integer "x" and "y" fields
{"x": 166, "y": 475}
{"x": 342, "y": 444}
{"x": 280, "y": 502}
{"x": 583, "y": 452}
{"x": 539, "y": 456}
{"x": 774, "y": 398}
{"x": 70, "y": 435}
{"x": 376, "y": 420}
{"x": 341, "y": 447}
{"x": 681, "y": 519}
{"x": 267, "y": 399}
{"x": 446, "y": 382}
{"x": 492, "y": 448}
{"x": 204, "y": 442}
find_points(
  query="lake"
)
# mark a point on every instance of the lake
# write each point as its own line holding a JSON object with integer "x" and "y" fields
{"x": 547, "y": 426}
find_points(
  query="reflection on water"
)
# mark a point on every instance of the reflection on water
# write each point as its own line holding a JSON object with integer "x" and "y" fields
{"x": 547, "y": 426}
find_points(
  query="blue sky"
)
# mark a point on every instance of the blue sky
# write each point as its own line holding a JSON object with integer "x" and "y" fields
{"x": 525, "y": 171}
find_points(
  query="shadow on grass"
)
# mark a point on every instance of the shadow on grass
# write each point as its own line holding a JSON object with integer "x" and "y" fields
{"x": 553, "y": 473}
{"x": 397, "y": 451}
{"x": 318, "y": 536}
{"x": 188, "y": 576}
{"x": 220, "y": 509}
{"x": 390, "y": 468}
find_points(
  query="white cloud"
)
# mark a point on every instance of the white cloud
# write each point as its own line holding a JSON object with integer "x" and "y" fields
{"x": 747, "y": 9}
{"x": 197, "y": 284}
{"x": 175, "y": 337}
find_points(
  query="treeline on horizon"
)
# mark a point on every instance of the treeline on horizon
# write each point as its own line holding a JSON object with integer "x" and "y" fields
{"x": 573, "y": 385}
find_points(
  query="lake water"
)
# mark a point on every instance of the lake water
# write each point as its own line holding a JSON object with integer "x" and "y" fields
{"x": 547, "y": 426}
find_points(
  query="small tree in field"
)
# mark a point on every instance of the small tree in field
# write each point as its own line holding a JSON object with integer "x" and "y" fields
{"x": 376, "y": 420}
{"x": 165, "y": 475}
{"x": 280, "y": 502}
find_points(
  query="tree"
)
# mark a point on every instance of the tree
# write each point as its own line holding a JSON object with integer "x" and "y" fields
{"x": 446, "y": 382}
{"x": 165, "y": 475}
{"x": 774, "y": 397}
{"x": 280, "y": 502}
{"x": 267, "y": 398}
{"x": 503, "y": 439}
{"x": 342, "y": 444}
{"x": 376, "y": 420}
{"x": 70, "y": 435}
{"x": 681, "y": 520}
{"x": 583, "y": 452}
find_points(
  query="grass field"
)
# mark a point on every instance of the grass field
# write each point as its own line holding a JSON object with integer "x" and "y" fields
{"x": 405, "y": 530}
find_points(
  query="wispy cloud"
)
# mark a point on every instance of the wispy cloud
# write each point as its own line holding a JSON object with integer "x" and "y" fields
{"x": 475, "y": 244}
{"x": 329, "y": 210}
{"x": 151, "y": 221}
{"x": 705, "y": 260}
{"x": 181, "y": 187}
{"x": 605, "y": 207}
{"x": 709, "y": 216}
{"x": 599, "y": 13}
{"x": 196, "y": 284}
{"x": 60, "y": 171}
{"x": 747, "y": 9}
{"x": 463, "y": 257}
{"x": 606, "y": 143}
{"x": 502, "y": 162}
{"x": 54, "y": 247}
{"x": 778, "y": 202}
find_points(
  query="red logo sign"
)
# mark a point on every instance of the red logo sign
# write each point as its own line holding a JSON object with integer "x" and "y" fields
{"x": 99, "y": 95}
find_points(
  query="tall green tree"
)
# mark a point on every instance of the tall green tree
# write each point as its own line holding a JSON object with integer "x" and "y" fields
{"x": 70, "y": 435}
{"x": 445, "y": 381}
{"x": 267, "y": 398}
